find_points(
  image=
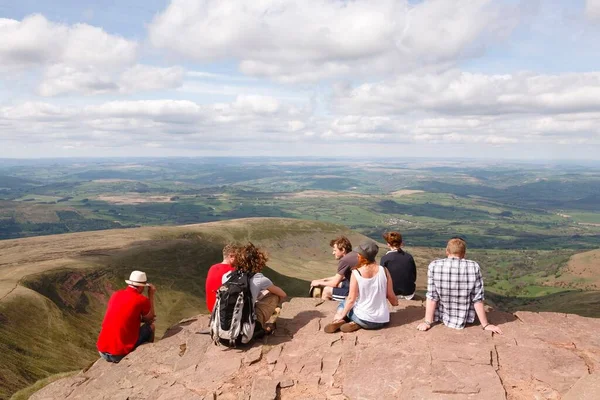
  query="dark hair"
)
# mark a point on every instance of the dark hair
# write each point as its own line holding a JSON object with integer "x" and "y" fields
{"x": 342, "y": 243}
{"x": 249, "y": 258}
{"x": 394, "y": 239}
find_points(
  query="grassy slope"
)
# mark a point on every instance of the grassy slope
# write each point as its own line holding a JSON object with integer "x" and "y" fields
{"x": 49, "y": 324}
{"x": 53, "y": 327}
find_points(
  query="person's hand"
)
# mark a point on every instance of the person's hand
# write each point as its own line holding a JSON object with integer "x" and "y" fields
{"x": 151, "y": 289}
{"x": 315, "y": 283}
{"x": 335, "y": 321}
{"x": 423, "y": 326}
{"x": 493, "y": 328}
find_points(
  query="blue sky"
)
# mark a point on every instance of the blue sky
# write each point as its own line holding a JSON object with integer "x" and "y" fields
{"x": 388, "y": 78}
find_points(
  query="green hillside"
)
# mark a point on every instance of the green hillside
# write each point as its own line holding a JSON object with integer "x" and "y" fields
{"x": 50, "y": 324}
{"x": 54, "y": 289}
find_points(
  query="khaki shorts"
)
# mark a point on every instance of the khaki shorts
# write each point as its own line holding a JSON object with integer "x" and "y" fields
{"x": 265, "y": 307}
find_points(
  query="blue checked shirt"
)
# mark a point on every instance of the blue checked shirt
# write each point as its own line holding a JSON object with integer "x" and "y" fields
{"x": 456, "y": 285}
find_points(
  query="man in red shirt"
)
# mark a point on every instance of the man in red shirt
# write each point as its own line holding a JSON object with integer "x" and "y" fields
{"x": 215, "y": 275}
{"x": 121, "y": 332}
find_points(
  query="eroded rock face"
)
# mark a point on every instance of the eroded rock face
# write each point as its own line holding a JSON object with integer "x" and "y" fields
{"x": 540, "y": 356}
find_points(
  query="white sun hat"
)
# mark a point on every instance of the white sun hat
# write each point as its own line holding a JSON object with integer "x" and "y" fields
{"x": 137, "y": 278}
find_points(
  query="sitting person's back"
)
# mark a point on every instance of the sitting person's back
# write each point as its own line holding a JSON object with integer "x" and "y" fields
{"x": 121, "y": 332}
{"x": 401, "y": 266}
{"x": 215, "y": 275}
{"x": 371, "y": 304}
{"x": 455, "y": 290}
{"x": 265, "y": 295}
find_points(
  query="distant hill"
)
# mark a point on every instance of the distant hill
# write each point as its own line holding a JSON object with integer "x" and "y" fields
{"x": 54, "y": 289}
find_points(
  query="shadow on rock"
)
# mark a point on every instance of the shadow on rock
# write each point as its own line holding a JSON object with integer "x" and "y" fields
{"x": 406, "y": 316}
{"x": 178, "y": 328}
{"x": 500, "y": 317}
{"x": 288, "y": 327}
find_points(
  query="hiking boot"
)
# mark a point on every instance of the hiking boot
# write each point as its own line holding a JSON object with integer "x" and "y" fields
{"x": 333, "y": 327}
{"x": 258, "y": 334}
{"x": 350, "y": 327}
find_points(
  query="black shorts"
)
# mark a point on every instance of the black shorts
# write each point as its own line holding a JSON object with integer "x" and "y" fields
{"x": 340, "y": 293}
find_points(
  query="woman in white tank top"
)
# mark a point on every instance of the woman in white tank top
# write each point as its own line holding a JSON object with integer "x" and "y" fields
{"x": 370, "y": 288}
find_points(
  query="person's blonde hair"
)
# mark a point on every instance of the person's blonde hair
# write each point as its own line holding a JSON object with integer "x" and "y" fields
{"x": 229, "y": 249}
{"x": 457, "y": 246}
{"x": 250, "y": 258}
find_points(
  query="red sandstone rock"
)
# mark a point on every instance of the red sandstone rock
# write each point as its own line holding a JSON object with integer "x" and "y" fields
{"x": 540, "y": 356}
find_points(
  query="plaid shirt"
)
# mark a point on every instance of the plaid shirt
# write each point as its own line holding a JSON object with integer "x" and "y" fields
{"x": 456, "y": 285}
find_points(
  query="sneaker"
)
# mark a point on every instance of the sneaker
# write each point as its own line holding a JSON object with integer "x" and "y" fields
{"x": 350, "y": 327}
{"x": 333, "y": 327}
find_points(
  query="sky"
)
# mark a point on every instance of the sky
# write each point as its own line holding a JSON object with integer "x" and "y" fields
{"x": 369, "y": 79}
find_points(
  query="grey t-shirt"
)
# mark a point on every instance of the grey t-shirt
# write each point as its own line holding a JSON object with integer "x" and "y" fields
{"x": 346, "y": 263}
{"x": 258, "y": 283}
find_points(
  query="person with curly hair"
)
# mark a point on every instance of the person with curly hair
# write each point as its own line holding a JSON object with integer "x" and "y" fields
{"x": 265, "y": 294}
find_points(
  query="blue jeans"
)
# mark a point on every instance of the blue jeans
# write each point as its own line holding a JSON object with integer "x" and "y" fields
{"x": 110, "y": 358}
{"x": 362, "y": 323}
{"x": 144, "y": 337}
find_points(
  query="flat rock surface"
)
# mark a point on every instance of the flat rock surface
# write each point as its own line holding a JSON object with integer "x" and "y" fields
{"x": 540, "y": 356}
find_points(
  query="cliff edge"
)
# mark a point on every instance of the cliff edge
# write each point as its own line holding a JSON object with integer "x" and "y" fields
{"x": 540, "y": 356}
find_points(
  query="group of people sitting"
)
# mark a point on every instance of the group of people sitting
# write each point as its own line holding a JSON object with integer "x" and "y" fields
{"x": 362, "y": 286}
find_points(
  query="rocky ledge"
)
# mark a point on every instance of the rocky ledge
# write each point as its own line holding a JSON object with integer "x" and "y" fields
{"x": 540, "y": 356}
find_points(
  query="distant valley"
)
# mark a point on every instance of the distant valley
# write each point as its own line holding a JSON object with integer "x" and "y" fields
{"x": 73, "y": 230}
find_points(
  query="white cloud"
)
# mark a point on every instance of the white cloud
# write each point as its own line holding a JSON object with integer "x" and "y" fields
{"x": 592, "y": 9}
{"x": 144, "y": 77}
{"x": 246, "y": 118}
{"x": 464, "y": 93}
{"x": 60, "y": 79}
{"x": 257, "y": 104}
{"x": 308, "y": 40}
{"x": 35, "y": 41}
{"x": 186, "y": 126}
{"x": 78, "y": 59}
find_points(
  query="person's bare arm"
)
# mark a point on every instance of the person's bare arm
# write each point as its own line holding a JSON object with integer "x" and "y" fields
{"x": 277, "y": 291}
{"x": 332, "y": 281}
{"x": 391, "y": 296}
{"x": 350, "y": 299}
{"x": 429, "y": 314}
{"x": 480, "y": 310}
{"x": 151, "y": 316}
